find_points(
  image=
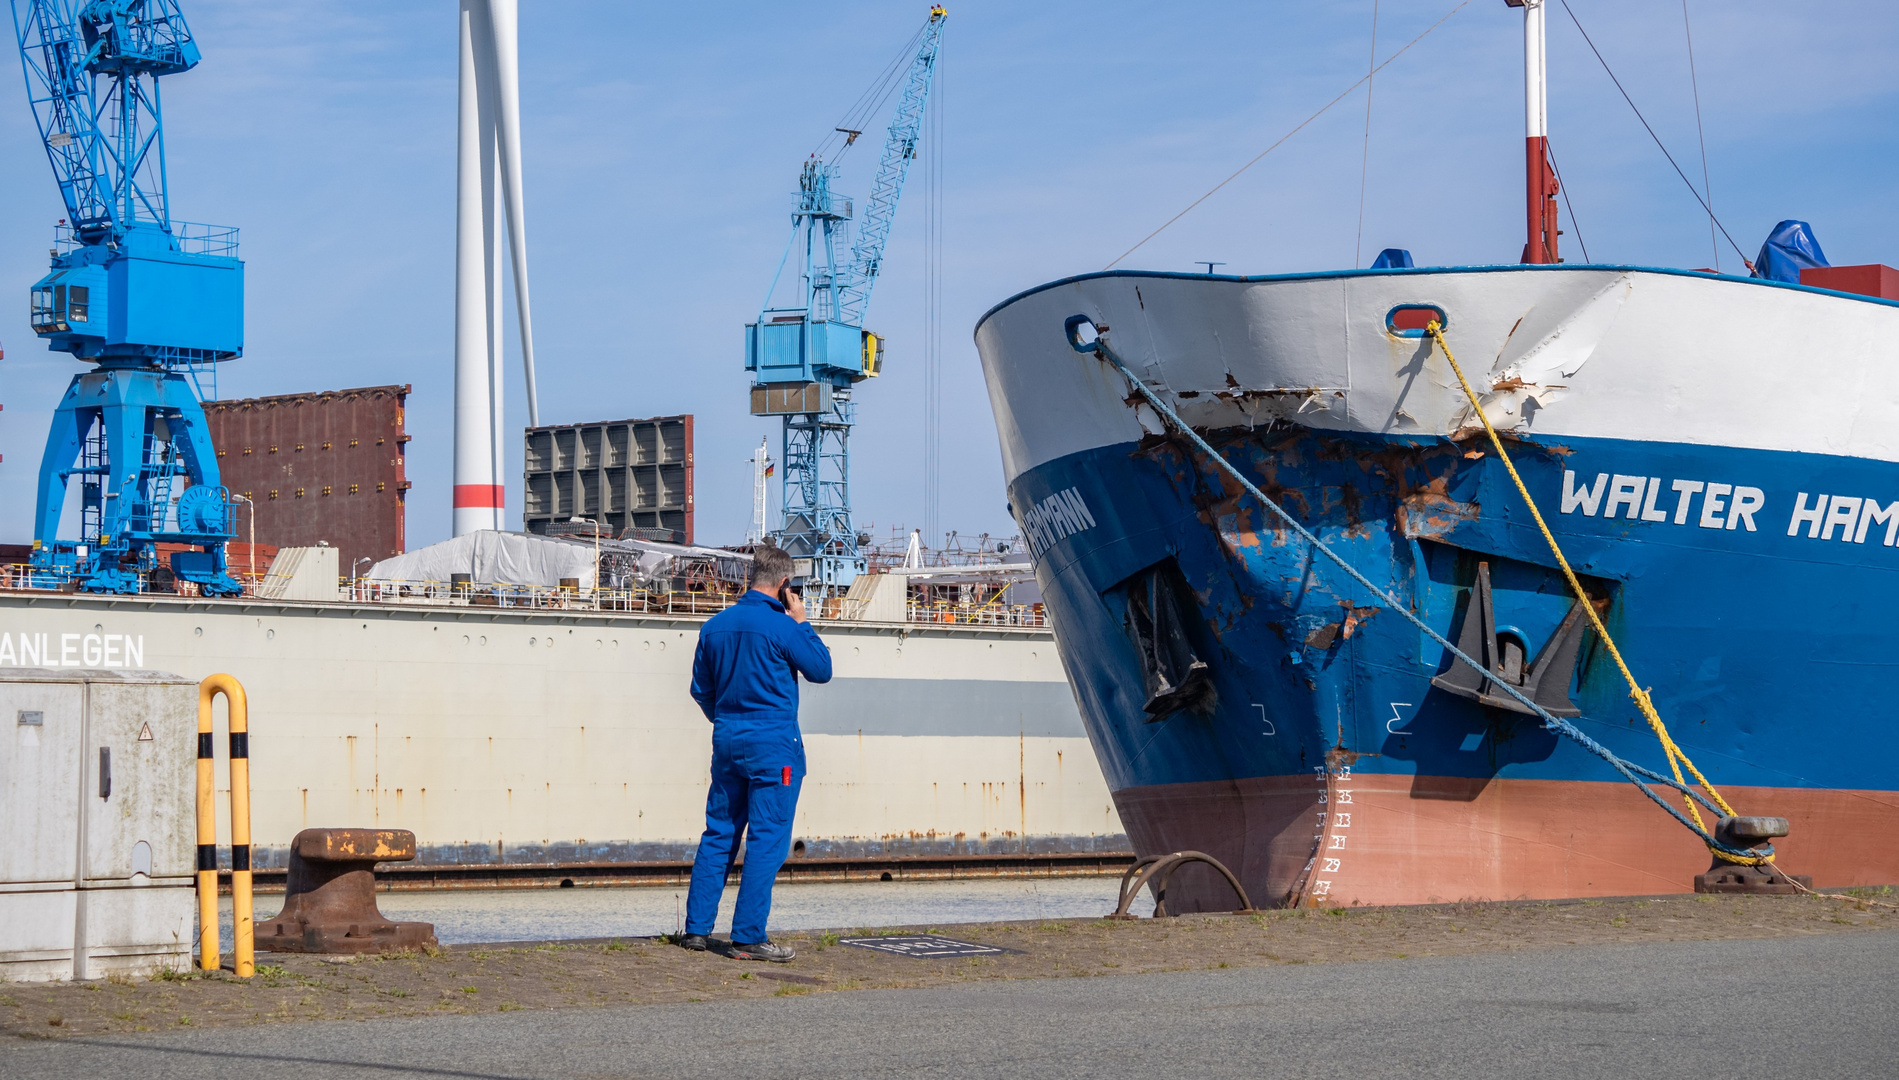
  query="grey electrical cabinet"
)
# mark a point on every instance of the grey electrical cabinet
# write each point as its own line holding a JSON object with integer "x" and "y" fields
{"x": 98, "y": 820}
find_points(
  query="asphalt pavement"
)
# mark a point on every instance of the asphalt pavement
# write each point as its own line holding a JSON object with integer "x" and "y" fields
{"x": 1826, "y": 1005}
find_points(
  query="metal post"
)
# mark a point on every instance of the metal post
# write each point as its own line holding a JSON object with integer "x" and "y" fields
{"x": 244, "y": 945}
{"x": 1539, "y": 178}
{"x": 252, "y": 584}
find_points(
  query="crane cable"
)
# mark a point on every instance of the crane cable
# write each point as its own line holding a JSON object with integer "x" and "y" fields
{"x": 931, "y": 143}
{"x": 871, "y": 101}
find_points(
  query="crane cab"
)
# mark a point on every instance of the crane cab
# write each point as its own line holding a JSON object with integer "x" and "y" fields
{"x": 787, "y": 347}
{"x": 155, "y": 295}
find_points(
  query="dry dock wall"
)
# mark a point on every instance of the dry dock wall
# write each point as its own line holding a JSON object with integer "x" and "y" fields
{"x": 502, "y": 736}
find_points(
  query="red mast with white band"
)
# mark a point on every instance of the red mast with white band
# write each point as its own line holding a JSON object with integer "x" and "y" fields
{"x": 1540, "y": 178}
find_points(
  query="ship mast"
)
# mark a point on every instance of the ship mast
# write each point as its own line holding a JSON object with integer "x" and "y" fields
{"x": 1539, "y": 177}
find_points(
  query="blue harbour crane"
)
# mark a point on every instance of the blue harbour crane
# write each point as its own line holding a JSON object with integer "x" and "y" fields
{"x": 805, "y": 359}
{"x": 149, "y": 302}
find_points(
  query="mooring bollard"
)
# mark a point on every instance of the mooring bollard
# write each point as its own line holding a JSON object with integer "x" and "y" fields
{"x": 244, "y": 961}
{"x": 1764, "y": 879}
{"x": 330, "y": 898}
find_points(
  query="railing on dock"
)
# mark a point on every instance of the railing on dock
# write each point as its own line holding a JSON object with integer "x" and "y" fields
{"x": 974, "y": 614}
{"x": 21, "y": 577}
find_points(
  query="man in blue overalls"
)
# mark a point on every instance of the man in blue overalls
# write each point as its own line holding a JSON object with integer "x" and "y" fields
{"x": 745, "y": 678}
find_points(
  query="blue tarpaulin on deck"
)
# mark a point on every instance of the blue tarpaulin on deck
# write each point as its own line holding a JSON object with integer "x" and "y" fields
{"x": 1789, "y": 249}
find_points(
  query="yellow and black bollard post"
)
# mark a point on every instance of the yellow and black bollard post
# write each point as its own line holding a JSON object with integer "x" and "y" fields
{"x": 244, "y": 946}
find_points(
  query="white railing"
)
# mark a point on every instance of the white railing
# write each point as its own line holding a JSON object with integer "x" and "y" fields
{"x": 558, "y": 598}
{"x": 975, "y": 614}
{"x": 22, "y": 577}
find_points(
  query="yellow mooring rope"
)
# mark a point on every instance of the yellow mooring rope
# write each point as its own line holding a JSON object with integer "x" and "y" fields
{"x": 1676, "y": 756}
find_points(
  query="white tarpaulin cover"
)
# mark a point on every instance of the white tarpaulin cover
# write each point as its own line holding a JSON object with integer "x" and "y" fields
{"x": 493, "y": 558}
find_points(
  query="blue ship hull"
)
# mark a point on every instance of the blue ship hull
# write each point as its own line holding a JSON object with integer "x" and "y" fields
{"x": 1247, "y": 699}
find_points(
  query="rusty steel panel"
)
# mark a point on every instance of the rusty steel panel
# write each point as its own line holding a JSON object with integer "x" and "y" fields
{"x": 625, "y": 474}
{"x": 320, "y": 467}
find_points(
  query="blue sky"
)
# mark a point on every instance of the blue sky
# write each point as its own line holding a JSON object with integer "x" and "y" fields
{"x": 662, "y": 145}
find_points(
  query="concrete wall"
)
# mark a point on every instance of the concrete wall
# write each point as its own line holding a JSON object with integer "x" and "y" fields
{"x": 569, "y": 737}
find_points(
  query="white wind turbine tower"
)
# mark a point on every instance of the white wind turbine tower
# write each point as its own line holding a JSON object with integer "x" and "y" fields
{"x": 488, "y": 186}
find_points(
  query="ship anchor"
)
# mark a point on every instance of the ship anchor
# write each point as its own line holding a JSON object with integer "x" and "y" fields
{"x": 1544, "y": 680}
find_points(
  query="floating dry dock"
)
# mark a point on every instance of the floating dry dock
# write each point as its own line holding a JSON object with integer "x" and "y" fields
{"x": 550, "y": 740}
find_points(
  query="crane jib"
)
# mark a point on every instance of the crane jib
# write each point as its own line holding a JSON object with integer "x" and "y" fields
{"x": 805, "y": 359}
{"x": 892, "y": 170}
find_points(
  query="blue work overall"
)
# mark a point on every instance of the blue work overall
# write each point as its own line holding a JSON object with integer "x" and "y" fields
{"x": 745, "y": 679}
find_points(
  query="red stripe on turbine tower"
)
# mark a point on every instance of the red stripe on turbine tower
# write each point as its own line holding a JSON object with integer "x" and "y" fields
{"x": 479, "y": 495}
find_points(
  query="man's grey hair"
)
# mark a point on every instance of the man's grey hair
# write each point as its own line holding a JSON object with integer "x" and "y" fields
{"x": 770, "y": 565}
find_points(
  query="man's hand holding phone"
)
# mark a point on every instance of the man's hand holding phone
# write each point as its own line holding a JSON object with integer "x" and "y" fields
{"x": 793, "y": 601}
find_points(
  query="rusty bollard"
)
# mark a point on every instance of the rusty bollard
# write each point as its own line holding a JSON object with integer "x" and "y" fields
{"x": 1763, "y": 880}
{"x": 330, "y": 899}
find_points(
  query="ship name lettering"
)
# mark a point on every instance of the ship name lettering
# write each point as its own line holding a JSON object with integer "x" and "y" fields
{"x": 1585, "y": 499}
{"x": 1871, "y": 513}
{"x": 1854, "y": 517}
{"x": 1624, "y": 491}
{"x": 75, "y": 650}
{"x": 1055, "y": 518}
{"x": 1723, "y": 506}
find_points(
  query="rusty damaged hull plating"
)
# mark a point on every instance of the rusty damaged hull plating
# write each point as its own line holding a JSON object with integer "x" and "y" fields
{"x": 1247, "y": 699}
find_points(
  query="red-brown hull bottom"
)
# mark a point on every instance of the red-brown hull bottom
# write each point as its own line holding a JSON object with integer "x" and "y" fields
{"x": 1385, "y": 839}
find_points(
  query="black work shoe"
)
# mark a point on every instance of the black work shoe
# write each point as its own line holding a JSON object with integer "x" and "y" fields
{"x": 764, "y": 950}
{"x": 694, "y": 942}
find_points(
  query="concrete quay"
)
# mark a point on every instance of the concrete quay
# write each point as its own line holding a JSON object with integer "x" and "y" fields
{"x": 1735, "y": 986}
